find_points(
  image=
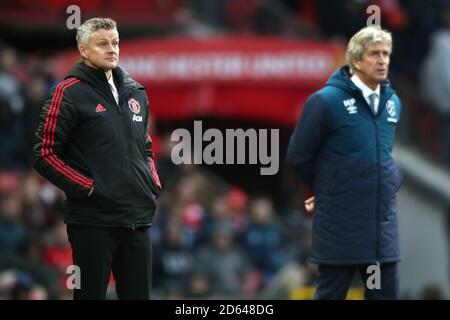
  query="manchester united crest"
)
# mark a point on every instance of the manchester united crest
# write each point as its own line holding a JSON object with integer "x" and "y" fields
{"x": 134, "y": 106}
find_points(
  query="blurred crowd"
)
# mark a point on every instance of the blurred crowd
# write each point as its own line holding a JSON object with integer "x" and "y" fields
{"x": 212, "y": 239}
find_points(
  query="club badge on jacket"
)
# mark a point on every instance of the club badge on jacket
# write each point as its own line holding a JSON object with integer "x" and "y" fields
{"x": 135, "y": 108}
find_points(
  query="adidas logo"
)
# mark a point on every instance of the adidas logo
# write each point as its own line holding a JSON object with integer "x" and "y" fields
{"x": 100, "y": 108}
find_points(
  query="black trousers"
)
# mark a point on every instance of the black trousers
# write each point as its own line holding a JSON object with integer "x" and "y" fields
{"x": 99, "y": 250}
{"x": 333, "y": 282}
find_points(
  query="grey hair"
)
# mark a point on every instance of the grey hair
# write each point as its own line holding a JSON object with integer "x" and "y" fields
{"x": 362, "y": 39}
{"x": 89, "y": 26}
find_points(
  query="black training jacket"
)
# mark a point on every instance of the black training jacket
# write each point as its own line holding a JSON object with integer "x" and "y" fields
{"x": 86, "y": 139}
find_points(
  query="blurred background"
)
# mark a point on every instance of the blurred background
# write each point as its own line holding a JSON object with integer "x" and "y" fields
{"x": 225, "y": 231}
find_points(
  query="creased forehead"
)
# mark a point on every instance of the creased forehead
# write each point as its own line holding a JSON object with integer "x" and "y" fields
{"x": 105, "y": 34}
{"x": 380, "y": 45}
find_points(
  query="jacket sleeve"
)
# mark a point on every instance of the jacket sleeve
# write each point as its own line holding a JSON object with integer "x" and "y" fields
{"x": 149, "y": 151}
{"x": 308, "y": 138}
{"x": 57, "y": 121}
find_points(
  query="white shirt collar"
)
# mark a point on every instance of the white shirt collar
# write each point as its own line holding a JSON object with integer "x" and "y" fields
{"x": 364, "y": 88}
{"x": 111, "y": 80}
{"x": 113, "y": 88}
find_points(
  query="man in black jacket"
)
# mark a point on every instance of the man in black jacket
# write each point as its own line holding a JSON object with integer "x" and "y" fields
{"x": 92, "y": 142}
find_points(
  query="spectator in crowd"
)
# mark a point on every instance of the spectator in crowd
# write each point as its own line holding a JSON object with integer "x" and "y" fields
{"x": 36, "y": 91}
{"x": 225, "y": 262}
{"x": 18, "y": 285}
{"x": 435, "y": 83}
{"x": 29, "y": 262}
{"x": 11, "y": 113}
{"x": 219, "y": 213}
{"x": 172, "y": 259}
{"x": 432, "y": 291}
{"x": 56, "y": 253}
{"x": 42, "y": 203}
{"x": 12, "y": 229}
{"x": 262, "y": 238}
{"x": 199, "y": 286}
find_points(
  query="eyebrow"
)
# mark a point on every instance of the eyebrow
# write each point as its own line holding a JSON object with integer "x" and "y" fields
{"x": 102, "y": 39}
{"x": 378, "y": 50}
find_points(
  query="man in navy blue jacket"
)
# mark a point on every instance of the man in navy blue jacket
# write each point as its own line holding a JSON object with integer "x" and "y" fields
{"x": 342, "y": 149}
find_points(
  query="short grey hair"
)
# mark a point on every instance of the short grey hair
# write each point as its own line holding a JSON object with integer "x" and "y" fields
{"x": 89, "y": 26}
{"x": 362, "y": 39}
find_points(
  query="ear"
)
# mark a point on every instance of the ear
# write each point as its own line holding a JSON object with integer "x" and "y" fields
{"x": 356, "y": 65}
{"x": 82, "y": 50}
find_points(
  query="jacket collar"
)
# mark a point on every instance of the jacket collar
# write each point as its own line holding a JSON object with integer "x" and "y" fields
{"x": 97, "y": 77}
{"x": 341, "y": 78}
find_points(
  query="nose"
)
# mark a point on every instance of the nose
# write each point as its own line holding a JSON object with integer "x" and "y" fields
{"x": 382, "y": 59}
{"x": 111, "y": 49}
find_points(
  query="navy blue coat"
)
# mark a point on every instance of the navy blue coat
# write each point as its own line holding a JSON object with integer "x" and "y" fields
{"x": 341, "y": 150}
